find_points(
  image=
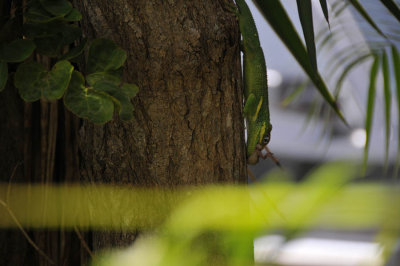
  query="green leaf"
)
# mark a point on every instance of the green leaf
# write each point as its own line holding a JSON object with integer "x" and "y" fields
{"x": 275, "y": 14}
{"x": 365, "y": 15}
{"x": 392, "y": 7}
{"x": 36, "y": 13}
{"x": 34, "y": 82}
{"x": 122, "y": 101}
{"x": 87, "y": 103}
{"x": 324, "y": 7}
{"x": 347, "y": 69}
{"x": 396, "y": 70}
{"x": 73, "y": 16}
{"x": 103, "y": 76}
{"x": 57, "y": 8}
{"x": 75, "y": 52}
{"x": 305, "y": 14}
{"x": 105, "y": 55}
{"x": 3, "y": 75}
{"x": 16, "y": 51}
{"x": 387, "y": 93}
{"x": 57, "y": 80}
{"x": 130, "y": 89}
{"x": 28, "y": 80}
{"x": 293, "y": 95}
{"x": 370, "y": 108}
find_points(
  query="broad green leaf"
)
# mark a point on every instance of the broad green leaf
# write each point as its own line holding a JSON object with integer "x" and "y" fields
{"x": 36, "y": 13}
{"x": 105, "y": 55}
{"x": 324, "y": 7}
{"x": 275, "y": 14}
{"x": 122, "y": 101}
{"x": 387, "y": 93}
{"x": 3, "y": 75}
{"x": 130, "y": 89}
{"x": 392, "y": 7}
{"x": 75, "y": 52}
{"x": 347, "y": 69}
{"x": 370, "y": 108}
{"x": 73, "y": 16}
{"x": 87, "y": 103}
{"x": 28, "y": 80}
{"x": 305, "y": 14}
{"x": 57, "y": 80}
{"x": 34, "y": 82}
{"x": 58, "y": 8}
{"x": 103, "y": 76}
{"x": 396, "y": 70}
{"x": 360, "y": 9}
{"x": 16, "y": 51}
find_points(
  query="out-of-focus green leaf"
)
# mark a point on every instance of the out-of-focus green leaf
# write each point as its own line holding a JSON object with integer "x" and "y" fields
{"x": 329, "y": 36}
{"x": 370, "y": 108}
{"x": 34, "y": 82}
{"x": 347, "y": 69}
{"x": 305, "y": 14}
{"x": 396, "y": 70}
{"x": 341, "y": 8}
{"x": 57, "y": 8}
{"x": 73, "y": 16}
{"x": 324, "y": 7}
{"x": 388, "y": 97}
{"x": 392, "y": 7}
{"x": 360, "y": 9}
{"x": 3, "y": 75}
{"x": 16, "y": 51}
{"x": 275, "y": 14}
{"x": 294, "y": 94}
{"x": 87, "y": 103}
{"x": 323, "y": 183}
{"x": 75, "y": 52}
{"x": 351, "y": 52}
{"x": 29, "y": 80}
{"x": 105, "y": 55}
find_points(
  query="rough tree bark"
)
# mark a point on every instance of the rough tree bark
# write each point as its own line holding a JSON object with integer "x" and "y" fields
{"x": 188, "y": 127}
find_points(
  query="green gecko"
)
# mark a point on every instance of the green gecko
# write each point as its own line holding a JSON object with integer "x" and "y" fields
{"x": 256, "y": 109}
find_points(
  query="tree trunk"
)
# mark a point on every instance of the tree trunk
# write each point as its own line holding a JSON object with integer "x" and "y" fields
{"x": 187, "y": 127}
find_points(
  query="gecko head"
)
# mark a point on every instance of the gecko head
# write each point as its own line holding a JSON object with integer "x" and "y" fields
{"x": 265, "y": 134}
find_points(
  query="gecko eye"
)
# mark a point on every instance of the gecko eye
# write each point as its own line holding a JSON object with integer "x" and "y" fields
{"x": 266, "y": 140}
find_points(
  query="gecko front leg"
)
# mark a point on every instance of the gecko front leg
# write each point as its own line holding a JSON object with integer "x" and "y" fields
{"x": 264, "y": 153}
